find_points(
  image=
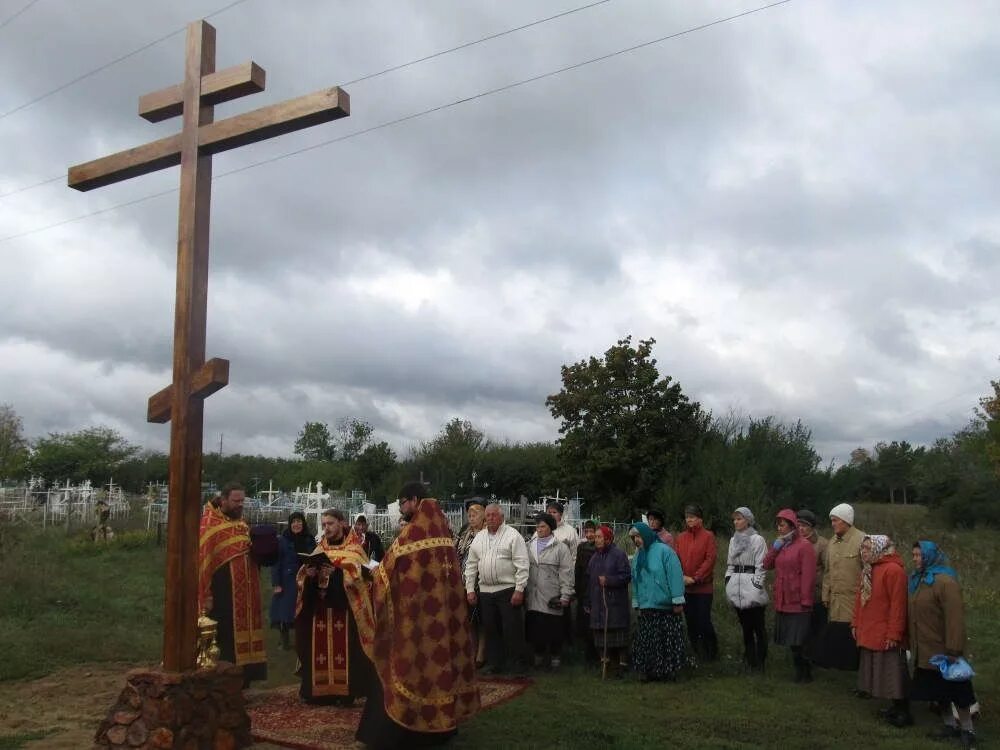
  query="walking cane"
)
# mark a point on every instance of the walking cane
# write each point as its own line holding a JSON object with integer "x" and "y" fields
{"x": 604, "y": 659}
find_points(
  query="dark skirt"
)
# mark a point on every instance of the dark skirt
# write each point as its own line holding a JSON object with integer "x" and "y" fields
{"x": 791, "y": 628}
{"x": 883, "y": 674}
{"x": 544, "y": 630}
{"x": 659, "y": 647}
{"x": 617, "y": 638}
{"x": 929, "y": 685}
{"x": 834, "y": 648}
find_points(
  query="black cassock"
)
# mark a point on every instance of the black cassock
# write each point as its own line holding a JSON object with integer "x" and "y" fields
{"x": 335, "y": 669}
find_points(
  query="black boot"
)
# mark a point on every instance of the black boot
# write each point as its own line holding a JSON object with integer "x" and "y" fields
{"x": 285, "y": 642}
{"x": 807, "y": 670}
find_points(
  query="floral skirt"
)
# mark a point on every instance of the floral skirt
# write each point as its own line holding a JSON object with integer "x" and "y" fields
{"x": 659, "y": 646}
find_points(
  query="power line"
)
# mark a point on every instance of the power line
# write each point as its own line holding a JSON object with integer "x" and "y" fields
{"x": 497, "y": 35}
{"x": 421, "y": 113}
{"x": 391, "y": 69}
{"x": 16, "y": 13}
{"x": 107, "y": 65}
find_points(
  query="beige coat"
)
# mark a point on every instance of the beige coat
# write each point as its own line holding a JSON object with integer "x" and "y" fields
{"x": 937, "y": 620}
{"x": 842, "y": 574}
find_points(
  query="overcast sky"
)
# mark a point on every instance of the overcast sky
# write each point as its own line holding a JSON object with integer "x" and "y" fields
{"x": 800, "y": 205}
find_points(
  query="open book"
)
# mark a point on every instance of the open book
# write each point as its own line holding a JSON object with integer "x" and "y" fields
{"x": 318, "y": 558}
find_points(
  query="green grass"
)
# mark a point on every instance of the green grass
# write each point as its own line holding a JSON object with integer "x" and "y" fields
{"x": 67, "y": 603}
{"x": 15, "y": 741}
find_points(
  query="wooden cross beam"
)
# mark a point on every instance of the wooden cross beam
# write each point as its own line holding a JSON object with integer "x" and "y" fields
{"x": 182, "y": 402}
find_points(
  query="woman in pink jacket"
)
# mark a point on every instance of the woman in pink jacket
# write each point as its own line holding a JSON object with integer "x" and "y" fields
{"x": 794, "y": 563}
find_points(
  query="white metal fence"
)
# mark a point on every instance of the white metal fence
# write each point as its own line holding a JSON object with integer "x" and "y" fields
{"x": 63, "y": 504}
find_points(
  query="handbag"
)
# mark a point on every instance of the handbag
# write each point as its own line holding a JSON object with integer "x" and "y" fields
{"x": 956, "y": 671}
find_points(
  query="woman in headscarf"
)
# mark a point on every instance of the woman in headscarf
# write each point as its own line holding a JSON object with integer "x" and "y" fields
{"x": 794, "y": 563}
{"x": 879, "y": 627}
{"x": 937, "y": 626}
{"x": 658, "y": 647}
{"x": 745, "y": 586}
{"x": 475, "y": 515}
{"x": 294, "y": 539}
{"x": 609, "y": 575}
{"x": 550, "y": 589}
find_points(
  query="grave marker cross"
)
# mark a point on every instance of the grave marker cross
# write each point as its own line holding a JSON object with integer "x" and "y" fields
{"x": 194, "y": 379}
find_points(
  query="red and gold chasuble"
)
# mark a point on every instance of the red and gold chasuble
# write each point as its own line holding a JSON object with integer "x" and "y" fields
{"x": 330, "y": 642}
{"x": 222, "y": 541}
{"x": 423, "y": 646}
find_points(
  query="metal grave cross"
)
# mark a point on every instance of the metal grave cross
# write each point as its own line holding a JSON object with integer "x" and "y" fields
{"x": 194, "y": 379}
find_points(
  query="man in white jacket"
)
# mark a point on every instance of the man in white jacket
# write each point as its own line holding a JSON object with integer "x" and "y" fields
{"x": 497, "y": 566}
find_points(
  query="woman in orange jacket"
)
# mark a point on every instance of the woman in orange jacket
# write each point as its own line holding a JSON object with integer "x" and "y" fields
{"x": 879, "y": 627}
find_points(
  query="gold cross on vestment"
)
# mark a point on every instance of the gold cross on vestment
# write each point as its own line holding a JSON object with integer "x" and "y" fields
{"x": 194, "y": 379}
{"x": 339, "y": 625}
{"x": 321, "y": 659}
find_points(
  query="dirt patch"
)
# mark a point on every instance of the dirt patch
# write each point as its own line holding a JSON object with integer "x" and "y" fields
{"x": 69, "y": 703}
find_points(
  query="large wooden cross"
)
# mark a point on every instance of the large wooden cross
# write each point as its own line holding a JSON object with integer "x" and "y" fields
{"x": 182, "y": 402}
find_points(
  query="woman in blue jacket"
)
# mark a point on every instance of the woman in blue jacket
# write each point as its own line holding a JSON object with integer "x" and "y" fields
{"x": 293, "y": 540}
{"x": 659, "y": 646}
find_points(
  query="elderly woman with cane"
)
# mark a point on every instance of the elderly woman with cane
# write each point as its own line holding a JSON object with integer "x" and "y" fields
{"x": 609, "y": 576}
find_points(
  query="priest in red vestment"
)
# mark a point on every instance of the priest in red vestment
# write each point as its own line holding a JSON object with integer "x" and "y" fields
{"x": 334, "y": 626}
{"x": 423, "y": 647}
{"x": 229, "y": 583}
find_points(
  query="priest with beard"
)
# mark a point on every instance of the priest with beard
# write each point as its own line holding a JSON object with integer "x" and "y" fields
{"x": 423, "y": 653}
{"x": 229, "y": 582}
{"x": 334, "y": 625}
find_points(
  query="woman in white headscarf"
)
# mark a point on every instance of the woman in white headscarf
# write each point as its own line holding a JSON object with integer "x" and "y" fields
{"x": 745, "y": 586}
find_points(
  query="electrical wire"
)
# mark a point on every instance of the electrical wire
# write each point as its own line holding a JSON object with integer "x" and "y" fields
{"x": 422, "y": 113}
{"x": 17, "y": 13}
{"x": 392, "y": 69}
{"x": 107, "y": 65}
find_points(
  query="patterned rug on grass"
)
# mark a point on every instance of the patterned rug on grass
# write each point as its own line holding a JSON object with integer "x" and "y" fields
{"x": 278, "y": 716}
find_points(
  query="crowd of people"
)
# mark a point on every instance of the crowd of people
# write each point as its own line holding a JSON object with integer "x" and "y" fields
{"x": 359, "y": 612}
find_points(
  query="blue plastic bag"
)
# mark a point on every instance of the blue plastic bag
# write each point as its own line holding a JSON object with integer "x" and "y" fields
{"x": 957, "y": 671}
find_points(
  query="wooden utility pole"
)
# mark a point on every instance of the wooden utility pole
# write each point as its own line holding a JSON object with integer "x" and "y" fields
{"x": 194, "y": 379}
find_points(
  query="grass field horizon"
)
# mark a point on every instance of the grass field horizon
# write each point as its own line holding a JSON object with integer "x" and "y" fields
{"x": 68, "y": 605}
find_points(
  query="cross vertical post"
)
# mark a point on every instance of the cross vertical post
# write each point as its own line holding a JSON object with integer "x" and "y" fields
{"x": 194, "y": 379}
{"x": 190, "y": 320}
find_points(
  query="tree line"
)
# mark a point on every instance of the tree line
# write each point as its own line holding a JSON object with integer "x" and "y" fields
{"x": 630, "y": 439}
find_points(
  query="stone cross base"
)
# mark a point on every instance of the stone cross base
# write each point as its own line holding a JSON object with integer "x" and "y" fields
{"x": 202, "y": 710}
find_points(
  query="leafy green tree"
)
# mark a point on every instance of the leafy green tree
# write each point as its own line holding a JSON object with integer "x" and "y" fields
{"x": 624, "y": 428}
{"x": 513, "y": 469}
{"x": 136, "y": 472}
{"x": 13, "y": 445}
{"x": 354, "y": 436}
{"x": 449, "y": 459}
{"x": 989, "y": 414}
{"x": 315, "y": 443}
{"x": 95, "y": 453}
{"x": 894, "y": 467}
{"x": 374, "y": 464}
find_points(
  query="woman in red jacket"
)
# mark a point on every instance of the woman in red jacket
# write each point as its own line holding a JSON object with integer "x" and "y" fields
{"x": 879, "y": 627}
{"x": 793, "y": 560}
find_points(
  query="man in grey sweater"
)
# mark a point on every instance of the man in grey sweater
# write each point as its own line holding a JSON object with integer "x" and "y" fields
{"x": 497, "y": 567}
